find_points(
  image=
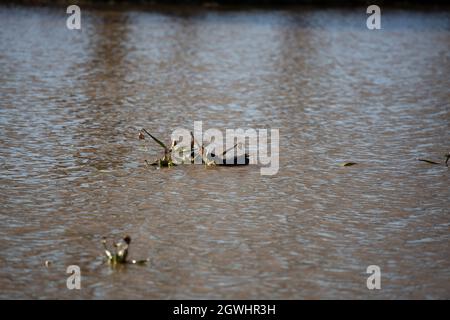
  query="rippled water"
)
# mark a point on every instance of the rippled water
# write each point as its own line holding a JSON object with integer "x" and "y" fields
{"x": 72, "y": 168}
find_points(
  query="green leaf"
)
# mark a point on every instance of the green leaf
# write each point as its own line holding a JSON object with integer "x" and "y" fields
{"x": 157, "y": 141}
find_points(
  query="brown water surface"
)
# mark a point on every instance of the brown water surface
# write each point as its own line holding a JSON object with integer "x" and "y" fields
{"x": 72, "y": 170}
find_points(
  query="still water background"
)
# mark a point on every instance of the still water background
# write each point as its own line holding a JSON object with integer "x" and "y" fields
{"x": 72, "y": 168}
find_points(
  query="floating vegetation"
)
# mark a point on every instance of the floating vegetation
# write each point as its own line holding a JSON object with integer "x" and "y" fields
{"x": 447, "y": 157}
{"x": 208, "y": 159}
{"x": 211, "y": 159}
{"x": 428, "y": 161}
{"x": 347, "y": 164}
{"x": 120, "y": 252}
{"x": 166, "y": 159}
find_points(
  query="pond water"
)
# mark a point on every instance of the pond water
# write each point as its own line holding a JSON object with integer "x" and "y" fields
{"x": 72, "y": 168}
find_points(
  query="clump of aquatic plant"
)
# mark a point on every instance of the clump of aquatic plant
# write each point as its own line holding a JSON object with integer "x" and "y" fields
{"x": 166, "y": 159}
{"x": 208, "y": 159}
{"x": 120, "y": 253}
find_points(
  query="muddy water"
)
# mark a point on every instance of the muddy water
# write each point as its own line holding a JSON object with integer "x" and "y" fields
{"x": 72, "y": 168}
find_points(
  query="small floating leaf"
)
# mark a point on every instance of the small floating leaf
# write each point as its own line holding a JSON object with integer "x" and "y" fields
{"x": 347, "y": 164}
{"x": 428, "y": 161}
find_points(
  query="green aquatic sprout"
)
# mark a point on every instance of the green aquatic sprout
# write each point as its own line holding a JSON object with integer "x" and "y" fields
{"x": 208, "y": 159}
{"x": 157, "y": 141}
{"x": 166, "y": 160}
{"x": 120, "y": 252}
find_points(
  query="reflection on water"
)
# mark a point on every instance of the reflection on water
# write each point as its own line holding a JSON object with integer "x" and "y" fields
{"x": 72, "y": 168}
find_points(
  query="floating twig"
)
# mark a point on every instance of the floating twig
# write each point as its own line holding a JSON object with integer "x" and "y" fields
{"x": 167, "y": 161}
